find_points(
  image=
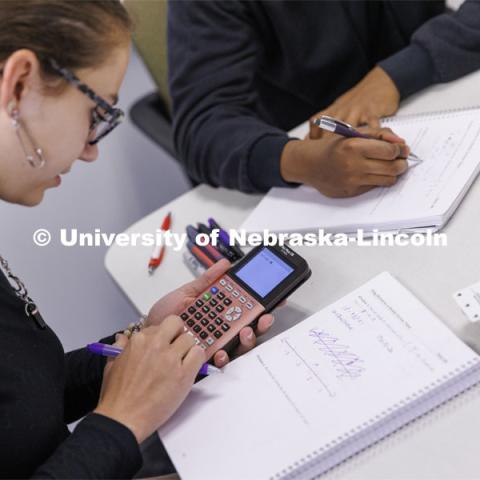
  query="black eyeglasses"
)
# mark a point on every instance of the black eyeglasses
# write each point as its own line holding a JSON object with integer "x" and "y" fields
{"x": 105, "y": 117}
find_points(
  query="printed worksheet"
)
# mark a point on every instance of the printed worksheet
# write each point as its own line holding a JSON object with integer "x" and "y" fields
{"x": 426, "y": 195}
{"x": 328, "y": 376}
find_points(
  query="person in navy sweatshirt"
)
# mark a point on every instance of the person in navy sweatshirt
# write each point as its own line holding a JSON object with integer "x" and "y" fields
{"x": 242, "y": 73}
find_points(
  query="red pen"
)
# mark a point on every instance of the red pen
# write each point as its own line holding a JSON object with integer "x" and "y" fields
{"x": 204, "y": 259}
{"x": 210, "y": 251}
{"x": 159, "y": 250}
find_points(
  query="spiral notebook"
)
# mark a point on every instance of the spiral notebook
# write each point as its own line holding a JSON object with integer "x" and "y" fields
{"x": 426, "y": 196}
{"x": 329, "y": 387}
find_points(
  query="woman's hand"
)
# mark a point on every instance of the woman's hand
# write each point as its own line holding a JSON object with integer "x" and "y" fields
{"x": 148, "y": 381}
{"x": 176, "y": 301}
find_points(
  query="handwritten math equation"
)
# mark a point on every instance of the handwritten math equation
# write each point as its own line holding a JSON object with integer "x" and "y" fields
{"x": 346, "y": 363}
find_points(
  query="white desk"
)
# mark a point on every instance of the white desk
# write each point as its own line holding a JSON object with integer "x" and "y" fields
{"x": 441, "y": 446}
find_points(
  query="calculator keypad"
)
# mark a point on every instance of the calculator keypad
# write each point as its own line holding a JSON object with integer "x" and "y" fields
{"x": 218, "y": 314}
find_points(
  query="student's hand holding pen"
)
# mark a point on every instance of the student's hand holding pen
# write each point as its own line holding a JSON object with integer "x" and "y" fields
{"x": 345, "y": 167}
{"x": 177, "y": 300}
{"x": 146, "y": 384}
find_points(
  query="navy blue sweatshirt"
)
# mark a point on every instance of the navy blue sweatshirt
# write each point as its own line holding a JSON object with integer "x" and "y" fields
{"x": 243, "y": 73}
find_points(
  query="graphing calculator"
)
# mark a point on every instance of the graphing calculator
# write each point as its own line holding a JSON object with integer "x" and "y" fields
{"x": 256, "y": 284}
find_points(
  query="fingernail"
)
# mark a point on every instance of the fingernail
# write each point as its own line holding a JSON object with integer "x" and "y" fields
{"x": 272, "y": 321}
{"x": 250, "y": 335}
{"x": 222, "y": 356}
{"x": 117, "y": 337}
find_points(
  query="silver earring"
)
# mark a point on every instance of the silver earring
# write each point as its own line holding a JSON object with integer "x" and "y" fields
{"x": 35, "y": 158}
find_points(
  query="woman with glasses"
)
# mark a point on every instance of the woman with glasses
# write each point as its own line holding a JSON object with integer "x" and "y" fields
{"x": 62, "y": 63}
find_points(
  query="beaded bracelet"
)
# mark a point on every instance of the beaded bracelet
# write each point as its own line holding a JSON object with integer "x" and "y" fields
{"x": 135, "y": 327}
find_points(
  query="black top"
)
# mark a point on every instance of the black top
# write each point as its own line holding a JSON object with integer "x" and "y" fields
{"x": 41, "y": 390}
{"x": 241, "y": 73}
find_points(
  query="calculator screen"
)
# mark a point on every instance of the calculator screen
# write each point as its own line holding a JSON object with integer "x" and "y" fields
{"x": 264, "y": 272}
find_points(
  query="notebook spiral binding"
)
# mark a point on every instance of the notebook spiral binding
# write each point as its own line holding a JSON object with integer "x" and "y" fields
{"x": 437, "y": 114}
{"x": 395, "y": 412}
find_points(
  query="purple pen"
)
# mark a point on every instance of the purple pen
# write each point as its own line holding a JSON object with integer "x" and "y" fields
{"x": 333, "y": 125}
{"x": 344, "y": 129}
{"x": 110, "y": 351}
{"x": 225, "y": 238}
{"x": 104, "y": 349}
